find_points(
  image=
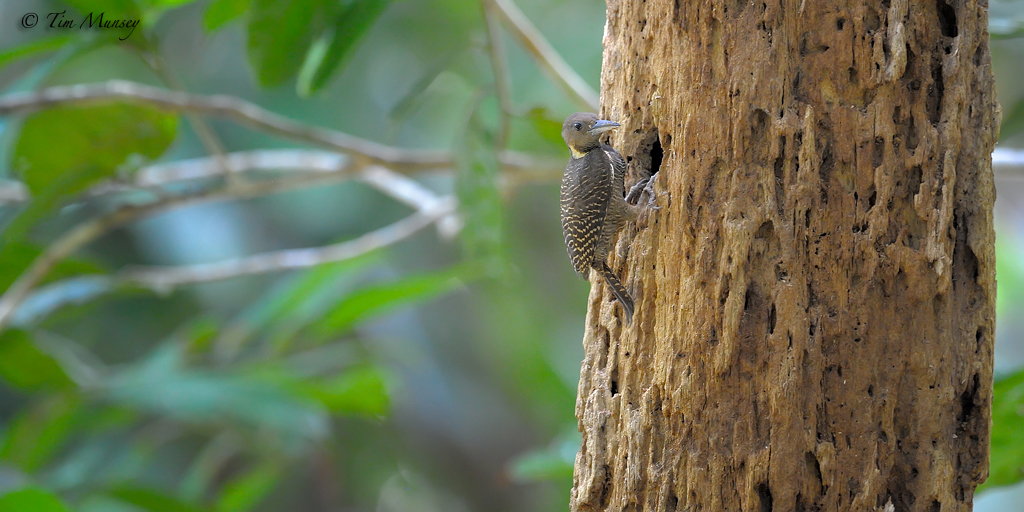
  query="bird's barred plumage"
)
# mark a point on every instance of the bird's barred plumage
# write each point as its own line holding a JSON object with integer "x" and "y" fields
{"x": 592, "y": 202}
{"x": 584, "y": 199}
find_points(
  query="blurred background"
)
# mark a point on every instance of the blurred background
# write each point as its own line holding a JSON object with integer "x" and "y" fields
{"x": 434, "y": 373}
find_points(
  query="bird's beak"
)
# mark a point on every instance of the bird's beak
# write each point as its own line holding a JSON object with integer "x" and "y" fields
{"x": 602, "y": 126}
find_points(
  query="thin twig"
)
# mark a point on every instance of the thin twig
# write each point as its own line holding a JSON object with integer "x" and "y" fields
{"x": 206, "y": 135}
{"x": 87, "y": 231}
{"x": 1008, "y": 158}
{"x": 361, "y": 151}
{"x": 545, "y": 54}
{"x": 230, "y": 107}
{"x": 502, "y": 84}
{"x": 163, "y": 279}
{"x": 395, "y": 185}
{"x": 519, "y": 168}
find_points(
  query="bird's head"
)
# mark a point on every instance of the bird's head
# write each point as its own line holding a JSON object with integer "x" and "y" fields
{"x": 583, "y": 130}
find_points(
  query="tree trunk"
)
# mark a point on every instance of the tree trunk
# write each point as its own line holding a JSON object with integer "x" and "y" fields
{"x": 815, "y": 299}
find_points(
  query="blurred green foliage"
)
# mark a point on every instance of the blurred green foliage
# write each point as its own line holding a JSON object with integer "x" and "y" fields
{"x": 430, "y": 373}
{"x": 430, "y": 376}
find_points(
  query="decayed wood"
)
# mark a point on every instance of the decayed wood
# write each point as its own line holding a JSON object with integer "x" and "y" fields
{"x": 815, "y": 299}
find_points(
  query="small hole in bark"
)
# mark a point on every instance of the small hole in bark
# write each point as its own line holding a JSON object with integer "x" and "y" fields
{"x": 672, "y": 503}
{"x": 765, "y": 494}
{"x": 879, "y": 152}
{"x": 914, "y": 183}
{"x": 967, "y": 401}
{"x": 840, "y": 23}
{"x": 871, "y": 20}
{"x": 771, "y": 320}
{"x": 936, "y": 89}
{"x": 871, "y": 390}
{"x": 656, "y": 156}
{"x": 813, "y": 465}
{"x": 947, "y": 18}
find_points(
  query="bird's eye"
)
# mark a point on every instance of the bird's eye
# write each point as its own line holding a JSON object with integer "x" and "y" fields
{"x": 578, "y": 126}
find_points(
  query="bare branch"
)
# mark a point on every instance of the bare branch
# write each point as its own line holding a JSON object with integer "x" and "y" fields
{"x": 326, "y": 167}
{"x": 410, "y": 192}
{"x": 87, "y": 231}
{"x": 298, "y": 160}
{"x": 1008, "y": 159}
{"x": 164, "y": 279}
{"x": 499, "y": 67}
{"x": 398, "y": 186}
{"x": 230, "y": 107}
{"x": 330, "y": 166}
{"x": 545, "y": 54}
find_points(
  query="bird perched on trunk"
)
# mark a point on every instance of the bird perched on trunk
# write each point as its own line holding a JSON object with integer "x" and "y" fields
{"x": 594, "y": 208}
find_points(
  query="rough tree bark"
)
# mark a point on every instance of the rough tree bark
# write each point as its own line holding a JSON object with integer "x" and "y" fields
{"x": 815, "y": 299}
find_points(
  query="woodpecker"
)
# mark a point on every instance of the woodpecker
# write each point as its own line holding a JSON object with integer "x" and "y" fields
{"x": 593, "y": 204}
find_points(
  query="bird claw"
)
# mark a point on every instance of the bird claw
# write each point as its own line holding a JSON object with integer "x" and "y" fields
{"x": 640, "y": 189}
{"x": 633, "y": 197}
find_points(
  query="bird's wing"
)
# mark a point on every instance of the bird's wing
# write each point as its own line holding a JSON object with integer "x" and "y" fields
{"x": 618, "y": 168}
{"x": 586, "y": 190}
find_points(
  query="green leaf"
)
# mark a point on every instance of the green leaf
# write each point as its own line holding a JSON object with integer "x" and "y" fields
{"x": 339, "y": 43}
{"x": 162, "y": 385}
{"x": 546, "y": 126}
{"x": 415, "y": 96}
{"x": 280, "y": 34}
{"x": 16, "y": 256}
{"x": 1013, "y": 121}
{"x": 24, "y": 366}
{"x": 1007, "y": 449}
{"x": 37, "y": 433}
{"x": 95, "y": 141}
{"x": 248, "y": 490}
{"x": 31, "y": 48}
{"x": 220, "y": 12}
{"x": 285, "y": 309}
{"x": 32, "y": 499}
{"x": 100, "y": 138}
{"x": 374, "y": 300}
{"x": 357, "y": 391}
{"x": 152, "y": 500}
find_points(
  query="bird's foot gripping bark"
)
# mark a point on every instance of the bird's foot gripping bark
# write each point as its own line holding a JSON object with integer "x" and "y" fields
{"x": 644, "y": 187}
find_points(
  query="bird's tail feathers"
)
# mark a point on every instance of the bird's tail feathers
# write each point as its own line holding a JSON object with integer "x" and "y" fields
{"x": 619, "y": 291}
